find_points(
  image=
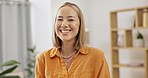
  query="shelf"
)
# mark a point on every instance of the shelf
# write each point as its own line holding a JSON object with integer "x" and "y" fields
{"x": 116, "y": 29}
{"x": 122, "y": 34}
{"x": 130, "y": 48}
{"x": 128, "y": 9}
{"x": 127, "y": 66}
{"x": 123, "y": 10}
{"x": 141, "y": 27}
{"x": 135, "y": 28}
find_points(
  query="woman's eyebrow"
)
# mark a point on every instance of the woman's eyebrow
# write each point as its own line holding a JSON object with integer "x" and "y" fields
{"x": 67, "y": 17}
{"x": 60, "y": 17}
{"x": 71, "y": 17}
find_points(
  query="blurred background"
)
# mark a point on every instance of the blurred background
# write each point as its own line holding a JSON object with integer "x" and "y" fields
{"x": 24, "y": 24}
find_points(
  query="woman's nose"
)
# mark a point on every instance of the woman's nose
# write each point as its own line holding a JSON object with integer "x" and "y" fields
{"x": 64, "y": 23}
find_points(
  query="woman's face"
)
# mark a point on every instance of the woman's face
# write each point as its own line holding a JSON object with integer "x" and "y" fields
{"x": 67, "y": 24}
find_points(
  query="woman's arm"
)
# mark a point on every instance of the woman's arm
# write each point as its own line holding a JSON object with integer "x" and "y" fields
{"x": 39, "y": 68}
{"x": 104, "y": 70}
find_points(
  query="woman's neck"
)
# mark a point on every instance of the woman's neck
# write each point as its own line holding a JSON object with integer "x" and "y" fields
{"x": 68, "y": 48}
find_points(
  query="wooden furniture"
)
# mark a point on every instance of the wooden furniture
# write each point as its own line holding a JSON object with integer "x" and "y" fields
{"x": 128, "y": 40}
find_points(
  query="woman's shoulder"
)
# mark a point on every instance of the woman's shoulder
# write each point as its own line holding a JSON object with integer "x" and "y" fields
{"x": 95, "y": 51}
{"x": 46, "y": 52}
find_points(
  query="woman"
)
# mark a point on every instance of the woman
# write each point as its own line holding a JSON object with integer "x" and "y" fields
{"x": 71, "y": 57}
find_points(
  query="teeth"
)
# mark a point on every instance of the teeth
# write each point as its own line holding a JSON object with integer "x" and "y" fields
{"x": 65, "y": 30}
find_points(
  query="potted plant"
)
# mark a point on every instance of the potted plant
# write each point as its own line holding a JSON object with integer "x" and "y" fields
{"x": 31, "y": 63}
{"x": 139, "y": 42}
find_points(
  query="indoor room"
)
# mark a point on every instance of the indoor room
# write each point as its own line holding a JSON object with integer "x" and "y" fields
{"x": 117, "y": 28}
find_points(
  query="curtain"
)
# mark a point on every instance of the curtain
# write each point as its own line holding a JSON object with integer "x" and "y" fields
{"x": 15, "y": 31}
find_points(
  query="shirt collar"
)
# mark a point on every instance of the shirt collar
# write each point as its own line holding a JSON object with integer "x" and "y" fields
{"x": 56, "y": 51}
{"x": 83, "y": 50}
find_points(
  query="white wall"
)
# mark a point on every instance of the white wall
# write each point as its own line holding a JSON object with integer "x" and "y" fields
{"x": 96, "y": 13}
{"x": 41, "y": 24}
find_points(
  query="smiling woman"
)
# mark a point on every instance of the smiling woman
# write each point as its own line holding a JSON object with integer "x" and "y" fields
{"x": 71, "y": 57}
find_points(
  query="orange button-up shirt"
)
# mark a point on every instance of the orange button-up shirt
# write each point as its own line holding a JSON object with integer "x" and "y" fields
{"x": 88, "y": 63}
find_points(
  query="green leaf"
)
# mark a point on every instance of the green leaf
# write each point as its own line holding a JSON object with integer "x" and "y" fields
{"x": 29, "y": 71}
{"x": 9, "y": 77}
{"x": 9, "y": 70}
{"x": 139, "y": 35}
{"x": 30, "y": 65}
{"x": 32, "y": 50}
{"x": 9, "y": 63}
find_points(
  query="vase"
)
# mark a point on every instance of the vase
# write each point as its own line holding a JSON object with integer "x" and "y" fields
{"x": 120, "y": 42}
{"x": 138, "y": 43}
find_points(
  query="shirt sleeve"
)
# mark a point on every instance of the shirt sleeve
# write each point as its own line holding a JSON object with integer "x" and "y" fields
{"x": 39, "y": 68}
{"x": 104, "y": 71}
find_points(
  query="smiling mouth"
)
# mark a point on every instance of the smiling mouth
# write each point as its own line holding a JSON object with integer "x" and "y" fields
{"x": 65, "y": 31}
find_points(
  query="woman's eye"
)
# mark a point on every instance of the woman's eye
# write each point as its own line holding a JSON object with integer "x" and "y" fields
{"x": 70, "y": 19}
{"x": 60, "y": 19}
